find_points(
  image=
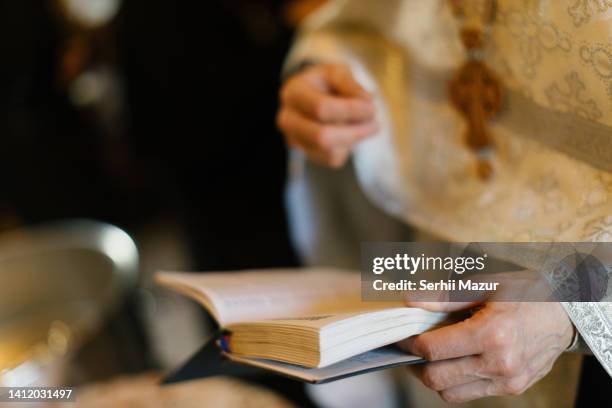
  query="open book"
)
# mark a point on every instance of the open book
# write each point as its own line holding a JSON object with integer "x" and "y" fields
{"x": 310, "y": 324}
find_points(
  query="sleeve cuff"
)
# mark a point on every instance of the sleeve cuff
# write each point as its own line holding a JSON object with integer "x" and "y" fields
{"x": 578, "y": 345}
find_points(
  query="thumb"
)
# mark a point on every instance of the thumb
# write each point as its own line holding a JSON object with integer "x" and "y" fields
{"x": 341, "y": 80}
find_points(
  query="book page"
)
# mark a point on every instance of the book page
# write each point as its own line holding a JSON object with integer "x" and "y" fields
{"x": 312, "y": 321}
{"x": 235, "y": 297}
{"x": 378, "y": 359}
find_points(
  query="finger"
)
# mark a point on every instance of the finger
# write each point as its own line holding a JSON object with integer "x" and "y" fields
{"x": 324, "y": 107}
{"x": 441, "y": 375}
{"x": 315, "y": 136}
{"x": 442, "y": 306}
{"x": 335, "y": 158}
{"x": 291, "y": 141}
{"x": 469, "y": 392}
{"x": 457, "y": 340}
{"x": 343, "y": 82}
{"x": 512, "y": 386}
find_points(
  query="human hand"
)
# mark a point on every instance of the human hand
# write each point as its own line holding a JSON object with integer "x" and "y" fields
{"x": 325, "y": 112}
{"x": 503, "y": 349}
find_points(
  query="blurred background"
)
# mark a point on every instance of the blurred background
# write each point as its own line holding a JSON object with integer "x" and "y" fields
{"x": 136, "y": 135}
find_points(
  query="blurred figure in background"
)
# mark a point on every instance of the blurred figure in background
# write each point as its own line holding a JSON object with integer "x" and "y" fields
{"x": 132, "y": 111}
{"x": 433, "y": 111}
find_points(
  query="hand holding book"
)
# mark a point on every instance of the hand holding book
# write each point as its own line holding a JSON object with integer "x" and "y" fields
{"x": 503, "y": 349}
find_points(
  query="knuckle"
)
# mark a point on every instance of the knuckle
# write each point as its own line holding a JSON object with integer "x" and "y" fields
{"x": 282, "y": 120}
{"x": 431, "y": 379}
{"x": 449, "y": 397}
{"x": 500, "y": 337}
{"x": 425, "y": 348}
{"x": 516, "y": 386}
{"x": 286, "y": 91}
{"x": 507, "y": 365}
{"x": 321, "y": 110}
{"x": 322, "y": 138}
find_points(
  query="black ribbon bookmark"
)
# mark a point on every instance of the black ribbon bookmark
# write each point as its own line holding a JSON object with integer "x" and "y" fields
{"x": 209, "y": 362}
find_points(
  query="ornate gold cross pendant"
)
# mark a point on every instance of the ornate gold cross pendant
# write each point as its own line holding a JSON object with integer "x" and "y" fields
{"x": 477, "y": 94}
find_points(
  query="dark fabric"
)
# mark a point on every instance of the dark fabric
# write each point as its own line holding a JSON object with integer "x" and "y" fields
{"x": 595, "y": 385}
{"x": 203, "y": 84}
{"x": 207, "y": 362}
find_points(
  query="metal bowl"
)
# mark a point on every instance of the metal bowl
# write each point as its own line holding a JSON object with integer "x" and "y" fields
{"x": 58, "y": 282}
